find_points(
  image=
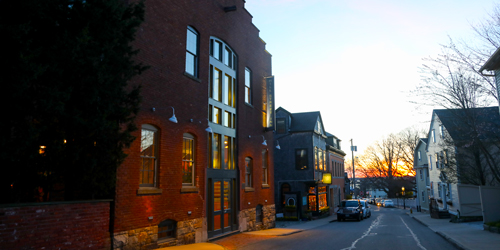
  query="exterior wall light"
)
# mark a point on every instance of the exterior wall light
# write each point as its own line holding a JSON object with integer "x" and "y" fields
{"x": 327, "y": 178}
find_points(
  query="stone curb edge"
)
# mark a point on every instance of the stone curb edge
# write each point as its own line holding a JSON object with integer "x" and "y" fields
{"x": 452, "y": 241}
{"x": 446, "y": 237}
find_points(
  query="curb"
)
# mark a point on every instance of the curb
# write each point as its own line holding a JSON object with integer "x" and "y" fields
{"x": 452, "y": 241}
{"x": 443, "y": 235}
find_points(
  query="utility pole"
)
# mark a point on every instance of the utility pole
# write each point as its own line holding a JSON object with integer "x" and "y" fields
{"x": 353, "y": 148}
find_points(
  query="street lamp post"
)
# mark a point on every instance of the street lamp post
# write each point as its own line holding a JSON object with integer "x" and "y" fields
{"x": 404, "y": 204}
{"x": 353, "y": 148}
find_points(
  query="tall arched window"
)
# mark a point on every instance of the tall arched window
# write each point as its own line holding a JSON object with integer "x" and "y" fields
{"x": 149, "y": 152}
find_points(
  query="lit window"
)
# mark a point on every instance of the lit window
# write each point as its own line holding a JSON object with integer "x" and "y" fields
{"x": 192, "y": 52}
{"x": 229, "y": 91}
{"x": 188, "y": 165}
{"x": 215, "y": 83}
{"x": 216, "y": 151}
{"x": 149, "y": 138}
{"x": 248, "y": 171}
{"x": 228, "y": 153}
{"x": 248, "y": 90}
{"x": 227, "y": 119}
{"x": 217, "y": 116}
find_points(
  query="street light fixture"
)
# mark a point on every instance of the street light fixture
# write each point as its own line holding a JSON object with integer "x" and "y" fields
{"x": 404, "y": 204}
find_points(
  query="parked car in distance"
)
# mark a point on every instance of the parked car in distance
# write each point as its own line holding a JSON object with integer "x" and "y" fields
{"x": 388, "y": 203}
{"x": 350, "y": 209}
{"x": 367, "y": 212}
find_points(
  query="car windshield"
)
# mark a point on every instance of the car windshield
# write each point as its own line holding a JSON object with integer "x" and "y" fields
{"x": 349, "y": 203}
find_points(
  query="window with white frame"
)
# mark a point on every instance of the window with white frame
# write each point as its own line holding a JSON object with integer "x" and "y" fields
{"x": 419, "y": 157}
{"x": 192, "y": 52}
{"x": 248, "y": 86}
{"x": 149, "y": 152}
{"x": 437, "y": 160}
{"x": 222, "y": 105}
{"x": 433, "y": 136}
{"x": 430, "y": 162}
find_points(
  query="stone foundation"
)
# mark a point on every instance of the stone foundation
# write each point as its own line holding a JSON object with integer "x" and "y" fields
{"x": 247, "y": 219}
{"x": 187, "y": 232}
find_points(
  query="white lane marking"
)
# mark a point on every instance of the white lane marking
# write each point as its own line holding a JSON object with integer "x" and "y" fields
{"x": 414, "y": 236}
{"x": 375, "y": 223}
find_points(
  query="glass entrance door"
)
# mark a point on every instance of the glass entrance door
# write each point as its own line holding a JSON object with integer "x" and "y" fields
{"x": 222, "y": 209}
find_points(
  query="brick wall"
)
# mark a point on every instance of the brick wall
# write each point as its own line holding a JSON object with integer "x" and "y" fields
{"x": 58, "y": 225}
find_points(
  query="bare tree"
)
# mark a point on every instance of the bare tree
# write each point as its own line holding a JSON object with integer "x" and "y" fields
{"x": 388, "y": 163}
{"x": 452, "y": 80}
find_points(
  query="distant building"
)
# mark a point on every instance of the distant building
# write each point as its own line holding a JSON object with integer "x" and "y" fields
{"x": 307, "y": 155}
{"x": 422, "y": 174}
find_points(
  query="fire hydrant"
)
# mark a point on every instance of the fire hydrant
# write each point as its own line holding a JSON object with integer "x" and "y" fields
{"x": 411, "y": 211}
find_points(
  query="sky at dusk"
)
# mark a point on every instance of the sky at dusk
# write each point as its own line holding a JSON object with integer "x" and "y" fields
{"x": 355, "y": 61}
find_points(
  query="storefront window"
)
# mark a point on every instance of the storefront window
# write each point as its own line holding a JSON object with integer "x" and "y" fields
{"x": 322, "y": 200}
{"x": 312, "y": 202}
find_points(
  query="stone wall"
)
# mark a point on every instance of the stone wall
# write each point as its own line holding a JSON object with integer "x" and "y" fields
{"x": 187, "y": 232}
{"x": 247, "y": 219}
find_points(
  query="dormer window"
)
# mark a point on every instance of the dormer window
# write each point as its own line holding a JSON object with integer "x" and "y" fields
{"x": 280, "y": 126}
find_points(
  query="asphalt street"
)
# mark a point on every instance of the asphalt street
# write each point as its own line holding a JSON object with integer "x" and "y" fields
{"x": 387, "y": 228}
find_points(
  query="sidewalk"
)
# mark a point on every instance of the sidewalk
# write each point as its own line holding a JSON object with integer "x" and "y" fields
{"x": 467, "y": 236}
{"x": 282, "y": 228}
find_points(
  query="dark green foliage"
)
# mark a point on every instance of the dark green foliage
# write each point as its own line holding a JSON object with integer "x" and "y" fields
{"x": 67, "y": 65}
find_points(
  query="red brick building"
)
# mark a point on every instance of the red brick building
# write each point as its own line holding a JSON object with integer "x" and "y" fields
{"x": 205, "y": 173}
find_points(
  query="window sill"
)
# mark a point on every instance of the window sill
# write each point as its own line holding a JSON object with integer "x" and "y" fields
{"x": 249, "y": 189}
{"x": 249, "y": 105}
{"x": 265, "y": 185}
{"x": 163, "y": 241}
{"x": 192, "y": 77}
{"x": 189, "y": 189}
{"x": 148, "y": 191}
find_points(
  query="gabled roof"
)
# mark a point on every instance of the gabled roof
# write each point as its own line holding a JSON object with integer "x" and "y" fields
{"x": 302, "y": 122}
{"x": 493, "y": 62}
{"x": 460, "y": 122}
{"x": 284, "y": 110}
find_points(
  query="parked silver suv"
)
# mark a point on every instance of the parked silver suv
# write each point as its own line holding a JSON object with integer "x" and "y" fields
{"x": 350, "y": 209}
